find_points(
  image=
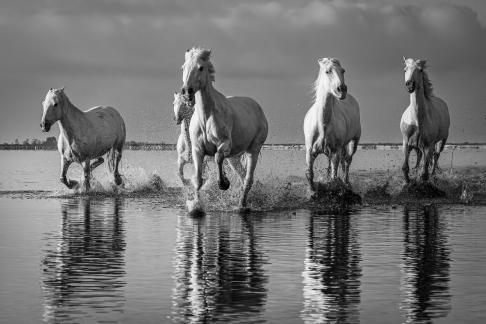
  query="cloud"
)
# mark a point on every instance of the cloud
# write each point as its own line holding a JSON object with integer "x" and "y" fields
{"x": 272, "y": 44}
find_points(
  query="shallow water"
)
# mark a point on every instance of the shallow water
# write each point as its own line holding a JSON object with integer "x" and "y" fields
{"x": 131, "y": 260}
{"x": 136, "y": 256}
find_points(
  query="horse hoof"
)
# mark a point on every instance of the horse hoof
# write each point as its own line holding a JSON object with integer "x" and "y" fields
{"x": 118, "y": 180}
{"x": 71, "y": 184}
{"x": 243, "y": 210}
{"x": 224, "y": 184}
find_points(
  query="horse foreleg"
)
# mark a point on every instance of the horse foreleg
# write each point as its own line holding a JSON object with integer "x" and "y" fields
{"x": 64, "y": 168}
{"x": 428, "y": 152}
{"x": 335, "y": 159}
{"x": 87, "y": 173}
{"x": 309, "y": 159}
{"x": 406, "y": 153}
{"x": 221, "y": 153}
{"x": 197, "y": 158}
{"x": 418, "y": 152}
{"x": 250, "y": 170}
{"x": 116, "y": 173}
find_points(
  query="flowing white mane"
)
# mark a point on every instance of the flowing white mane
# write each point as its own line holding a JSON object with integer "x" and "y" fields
{"x": 325, "y": 64}
{"x": 203, "y": 54}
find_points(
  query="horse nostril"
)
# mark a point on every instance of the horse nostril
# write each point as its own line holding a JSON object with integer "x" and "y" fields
{"x": 190, "y": 91}
{"x": 183, "y": 90}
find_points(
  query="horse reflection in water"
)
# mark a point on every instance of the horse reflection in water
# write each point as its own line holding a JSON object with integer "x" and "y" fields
{"x": 331, "y": 271}
{"x": 219, "y": 273}
{"x": 425, "y": 266}
{"x": 83, "y": 264}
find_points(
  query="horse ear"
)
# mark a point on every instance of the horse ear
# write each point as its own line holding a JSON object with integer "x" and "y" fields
{"x": 175, "y": 94}
{"x": 404, "y": 60}
{"x": 62, "y": 89}
{"x": 320, "y": 61}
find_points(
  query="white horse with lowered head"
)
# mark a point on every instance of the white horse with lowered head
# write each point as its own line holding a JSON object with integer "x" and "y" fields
{"x": 332, "y": 125}
{"x": 84, "y": 135}
{"x": 425, "y": 123}
{"x": 222, "y": 126}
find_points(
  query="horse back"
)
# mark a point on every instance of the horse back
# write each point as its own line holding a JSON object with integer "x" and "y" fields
{"x": 107, "y": 121}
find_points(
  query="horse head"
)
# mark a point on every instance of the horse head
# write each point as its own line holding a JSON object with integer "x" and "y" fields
{"x": 52, "y": 108}
{"x": 182, "y": 108}
{"x": 414, "y": 78}
{"x": 197, "y": 71}
{"x": 332, "y": 73}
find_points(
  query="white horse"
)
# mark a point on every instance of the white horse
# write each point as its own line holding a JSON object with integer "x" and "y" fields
{"x": 221, "y": 127}
{"x": 84, "y": 136}
{"x": 425, "y": 123}
{"x": 183, "y": 112}
{"x": 332, "y": 125}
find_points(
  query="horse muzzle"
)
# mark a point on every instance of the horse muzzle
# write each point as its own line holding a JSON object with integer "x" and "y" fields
{"x": 342, "y": 91}
{"x": 45, "y": 126}
{"x": 410, "y": 86}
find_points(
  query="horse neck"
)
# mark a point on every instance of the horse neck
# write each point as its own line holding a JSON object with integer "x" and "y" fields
{"x": 325, "y": 102}
{"x": 207, "y": 105}
{"x": 72, "y": 121}
{"x": 418, "y": 102}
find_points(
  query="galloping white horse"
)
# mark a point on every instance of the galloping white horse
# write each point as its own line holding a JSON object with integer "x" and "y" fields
{"x": 332, "y": 125}
{"x": 84, "y": 136}
{"x": 221, "y": 126}
{"x": 425, "y": 122}
{"x": 183, "y": 113}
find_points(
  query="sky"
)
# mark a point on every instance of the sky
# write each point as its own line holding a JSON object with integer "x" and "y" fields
{"x": 128, "y": 54}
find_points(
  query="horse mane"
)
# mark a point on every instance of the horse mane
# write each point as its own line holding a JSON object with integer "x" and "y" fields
{"x": 204, "y": 55}
{"x": 317, "y": 83}
{"x": 428, "y": 87}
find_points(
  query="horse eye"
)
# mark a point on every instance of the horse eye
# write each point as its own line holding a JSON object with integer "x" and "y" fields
{"x": 201, "y": 68}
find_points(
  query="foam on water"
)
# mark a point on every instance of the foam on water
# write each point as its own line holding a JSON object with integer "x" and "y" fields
{"x": 271, "y": 192}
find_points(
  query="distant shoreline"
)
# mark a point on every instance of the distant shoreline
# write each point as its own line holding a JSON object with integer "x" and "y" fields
{"x": 172, "y": 147}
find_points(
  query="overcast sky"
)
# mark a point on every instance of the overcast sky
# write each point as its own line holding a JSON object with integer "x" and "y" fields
{"x": 128, "y": 54}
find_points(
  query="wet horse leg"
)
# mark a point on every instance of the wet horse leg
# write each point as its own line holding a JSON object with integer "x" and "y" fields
{"x": 310, "y": 158}
{"x": 87, "y": 174}
{"x": 116, "y": 173}
{"x": 64, "y": 167}
{"x": 96, "y": 163}
{"x": 405, "y": 167}
{"x": 335, "y": 159}
{"x": 221, "y": 153}
{"x": 197, "y": 158}
{"x": 250, "y": 170}
{"x": 237, "y": 166}
{"x": 428, "y": 152}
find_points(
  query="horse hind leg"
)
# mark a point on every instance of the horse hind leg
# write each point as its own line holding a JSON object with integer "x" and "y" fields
{"x": 96, "y": 163}
{"x": 182, "y": 162}
{"x": 237, "y": 166}
{"x": 116, "y": 174}
{"x": 223, "y": 181}
{"x": 250, "y": 170}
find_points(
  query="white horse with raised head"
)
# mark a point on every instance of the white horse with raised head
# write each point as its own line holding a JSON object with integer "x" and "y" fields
{"x": 222, "y": 126}
{"x": 183, "y": 112}
{"x": 84, "y": 135}
{"x": 425, "y": 123}
{"x": 332, "y": 125}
